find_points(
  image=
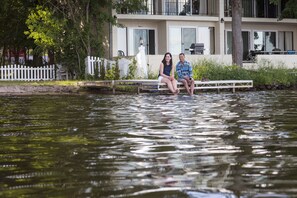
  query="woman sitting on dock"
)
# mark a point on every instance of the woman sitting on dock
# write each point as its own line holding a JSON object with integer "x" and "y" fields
{"x": 166, "y": 74}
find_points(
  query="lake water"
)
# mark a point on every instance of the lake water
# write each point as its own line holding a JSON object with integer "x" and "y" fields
{"x": 208, "y": 145}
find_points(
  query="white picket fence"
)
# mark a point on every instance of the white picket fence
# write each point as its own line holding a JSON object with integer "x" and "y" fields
{"x": 92, "y": 62}
{"x": 25, "y": 73}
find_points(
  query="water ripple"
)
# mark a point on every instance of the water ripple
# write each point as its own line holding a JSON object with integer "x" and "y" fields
{"x": 208, "y": 145}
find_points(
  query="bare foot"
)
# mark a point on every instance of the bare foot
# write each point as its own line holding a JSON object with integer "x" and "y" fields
{"x": 176, "y": 92}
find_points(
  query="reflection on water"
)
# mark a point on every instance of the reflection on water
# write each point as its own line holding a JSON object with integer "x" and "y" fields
{"x": 208, "y": 145}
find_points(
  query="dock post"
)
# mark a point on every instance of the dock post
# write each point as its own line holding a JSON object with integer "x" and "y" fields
{"x": 218, "y": 88}
{"x": 233, "y": 88}
{"x": 113, "y": 86}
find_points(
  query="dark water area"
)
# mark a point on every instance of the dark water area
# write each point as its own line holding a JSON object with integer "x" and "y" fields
{"x": 208, "y": 145}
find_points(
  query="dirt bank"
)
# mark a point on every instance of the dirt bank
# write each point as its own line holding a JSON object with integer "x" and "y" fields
{"x": 31, "y": 89}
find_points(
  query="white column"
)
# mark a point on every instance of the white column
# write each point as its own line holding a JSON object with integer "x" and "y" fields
{"x": 220, "y": 32}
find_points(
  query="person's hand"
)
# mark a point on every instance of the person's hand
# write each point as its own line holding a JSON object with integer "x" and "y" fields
{"x": 171, "y": 78}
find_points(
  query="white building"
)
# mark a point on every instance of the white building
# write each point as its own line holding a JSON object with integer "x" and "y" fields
{"x": 173, "y": 25}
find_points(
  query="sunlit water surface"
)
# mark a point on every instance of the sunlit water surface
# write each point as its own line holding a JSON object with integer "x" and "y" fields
{"x": 208, "y": 145}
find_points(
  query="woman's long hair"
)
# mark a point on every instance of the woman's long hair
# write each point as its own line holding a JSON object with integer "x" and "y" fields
{"x": 164, "y": 59}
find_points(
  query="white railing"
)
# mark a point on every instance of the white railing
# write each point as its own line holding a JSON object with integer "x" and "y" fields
{"x": 92, "y": 62}
{"x": 24, "y": 73}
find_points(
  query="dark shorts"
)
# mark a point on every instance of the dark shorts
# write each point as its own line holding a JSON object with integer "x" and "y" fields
{"x": 180, "y": 79}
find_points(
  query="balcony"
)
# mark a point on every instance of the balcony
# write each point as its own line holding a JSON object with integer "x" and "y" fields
{"x": 176, "y": 8}
{"x": 258, "y": 9}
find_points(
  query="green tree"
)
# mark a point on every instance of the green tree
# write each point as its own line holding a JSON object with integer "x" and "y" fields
{"x": 13, "y": 14}
{"x": 74, "y": 28}
{"x": 290, "y": 10}
{"x": 45, "y": 29}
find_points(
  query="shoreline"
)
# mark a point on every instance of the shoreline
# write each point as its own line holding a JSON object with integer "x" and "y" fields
{"x": 74, "y": 89}
{"x": 37, "y": 89}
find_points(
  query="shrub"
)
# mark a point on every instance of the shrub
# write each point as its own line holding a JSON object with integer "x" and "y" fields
{"x": 152, "y": 75}
{"x": 132, "y": 69}
{"x": 116, "y": 71}
{"x": 266, "y": 74}
{"x": 110, "y": 74}
{"x": 269, "y": 75}
{"x": 214, "y": 71}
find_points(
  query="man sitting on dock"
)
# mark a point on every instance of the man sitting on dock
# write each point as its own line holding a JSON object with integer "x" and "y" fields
{"x": 184, "y": 72}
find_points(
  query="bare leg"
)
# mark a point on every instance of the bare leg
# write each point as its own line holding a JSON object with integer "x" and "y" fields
{"x": 192, "y": 86}
{"x": 186, "y": 86}
{"x": 174, "y": 85}
{"x": 169, "y": 84}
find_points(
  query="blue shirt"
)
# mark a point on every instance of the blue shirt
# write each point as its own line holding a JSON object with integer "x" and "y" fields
{"x": 167, "y": 69}
{"x": 184, "y": 69}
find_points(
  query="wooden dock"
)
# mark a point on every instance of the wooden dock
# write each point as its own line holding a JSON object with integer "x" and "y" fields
{"x": 154, "y": 85}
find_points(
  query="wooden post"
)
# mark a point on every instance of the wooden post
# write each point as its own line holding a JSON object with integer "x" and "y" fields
{"x": 233, "y": 88}
{"x": 113, "y": 86}
{"x": 218, "y": 88}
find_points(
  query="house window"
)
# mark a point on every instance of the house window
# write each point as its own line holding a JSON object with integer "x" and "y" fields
{"x": 264, "y": 41}
{"x": 285, "y": 41}
{"x": 205, "y": 7}
{"x": 248, "y": 8}
{"x": 122, "y": 40}
{"x": 151, "y": 6}
{"x": 227, "y": 8}
{"x": 266, "y": 9}
{"x": 137, "y": 37}
{"x": 245, "y": 40}
{"x": 255, "y": 8}
{"x": 175, "y": 40}
{"x": 181, "y": 38}
{"x": 176, "y": 7}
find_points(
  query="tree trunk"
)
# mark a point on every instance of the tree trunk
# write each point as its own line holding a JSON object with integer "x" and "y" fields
{"x": 37, "y": 60}
{"x": 2, "y": 60}
{"x": 25, "y": 56}
{"x": 237, "y": 44}
{"x": 10, "y": 54}
{"x": 89, "y": 50}
{"x": 78, "y": 60}
{"x": 16, "y": 55}
{"x": 51, "y": 56}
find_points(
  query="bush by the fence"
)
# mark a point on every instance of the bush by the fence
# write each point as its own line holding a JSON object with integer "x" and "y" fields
{"x": 266, "y": 74}
{"x": 214, "y": 71}
{"x": 132, "y": 70}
